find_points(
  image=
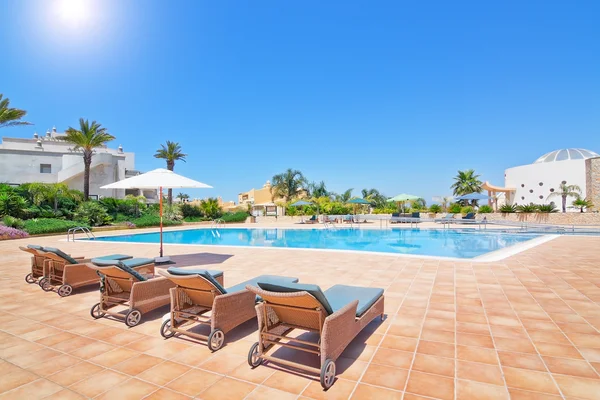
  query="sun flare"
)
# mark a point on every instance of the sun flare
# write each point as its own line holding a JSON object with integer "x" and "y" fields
{"x": 73, "y": 11}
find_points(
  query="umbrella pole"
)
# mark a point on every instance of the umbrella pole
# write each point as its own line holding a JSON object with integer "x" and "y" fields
{"x": 160, "y": 196}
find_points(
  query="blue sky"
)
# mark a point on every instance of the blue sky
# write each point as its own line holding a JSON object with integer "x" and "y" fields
{"x": 394, "y": 95}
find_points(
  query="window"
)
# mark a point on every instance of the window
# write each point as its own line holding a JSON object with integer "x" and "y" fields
{"x": 541, "y": 197}
{"x": 551, "y": 190}
{"x": 522, "y": 185}
{"x": 522, "y": 197}
{"x": 564, "y": 182}
{"x": 530, "y": 190}
{"x": 541, "y": 183}
{"x": 45, "y": 169}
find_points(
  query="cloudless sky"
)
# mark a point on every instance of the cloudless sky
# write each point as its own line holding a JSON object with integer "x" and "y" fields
{"x": 395, "y": 95}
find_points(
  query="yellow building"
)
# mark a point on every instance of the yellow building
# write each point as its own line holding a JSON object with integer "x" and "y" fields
{"x": 262, "y": 201}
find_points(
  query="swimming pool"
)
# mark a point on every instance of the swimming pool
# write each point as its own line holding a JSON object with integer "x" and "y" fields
{"x": 421, "y": 242}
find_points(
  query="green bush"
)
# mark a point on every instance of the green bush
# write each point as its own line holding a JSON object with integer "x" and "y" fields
{"x": 152, "y": 220}
{"x": 508, "y": 208}
{"x": 466, "y": 209}
{"x": 435, "y": 208}
{"x": 455, "y": 208}
{"x": 92, "y": 213}
{"x": 547, "y": 208}
{"x": 196, "y": 219}
{"x": 189, "y": 210}
{"x": 239, "y": 216}
{"x": 12, "y": 204}
{"x": 13, "y": 222}
{"x": 49, "y": 225}
{"x": 527, "y": 208}
{"x": 485, "y": 209}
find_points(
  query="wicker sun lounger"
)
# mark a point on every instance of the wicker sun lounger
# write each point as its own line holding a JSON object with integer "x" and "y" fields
{"x": 197, "y": 293}
{"x": 61, "y": 272}
{"x": 337, "y": 315}
{"x": 129, "y": 283}
{"x": 37, "y": 263}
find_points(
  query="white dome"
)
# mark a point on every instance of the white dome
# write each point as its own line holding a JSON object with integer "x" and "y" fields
{"x": 566, "y": 154}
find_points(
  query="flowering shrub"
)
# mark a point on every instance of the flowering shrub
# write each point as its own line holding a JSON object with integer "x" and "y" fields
{"x": 129, "y": 225}
{"x": 11, "y": 233}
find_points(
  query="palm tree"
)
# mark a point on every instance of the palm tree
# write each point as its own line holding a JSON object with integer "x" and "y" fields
{"x": 87, "y": 138}
{"x": 564, "y": 192}
{"x": 10, "y": 116}
{"x": 582, "y": 203}
{"x": 183, "y": 197}
{"x": 288, "y": 184}
{"x": 344, "y": 197}
{"x": 171, "y": 152}
{"x": 317, "y": 189}
{"x": 211, "y": 208}
{"x": 466, "y": 182}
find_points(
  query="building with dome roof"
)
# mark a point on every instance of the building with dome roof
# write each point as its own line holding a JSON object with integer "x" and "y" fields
{"x": 535, "y": 183}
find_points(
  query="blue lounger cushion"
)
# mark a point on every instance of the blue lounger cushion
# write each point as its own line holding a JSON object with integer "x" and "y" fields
{"x": 340, "y": 295}
{"x": 35, "y": 247}
{"x": 125, "y": 265}
{"x": 313, "y": 290}
{"x": 61, "y": 254}
{"x": 263, "y": 278}
{"x": 183, "y": 271}
{"x": 206, "y": 274}
{"x": 114, "y": 257}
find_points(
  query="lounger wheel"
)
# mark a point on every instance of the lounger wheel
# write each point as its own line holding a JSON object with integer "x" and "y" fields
{"x": 29, "y": 278}
{"x": 45, "y": 284}
{"x": 254, "y": 359}
{"x": 95, "y": 311}
{"x": 165, "y": 329}
{"x": 327, "y": 374}
{"x": 133, "y": 317}
{"x": 216, "y": 339}
{"x": 65, "y": 290}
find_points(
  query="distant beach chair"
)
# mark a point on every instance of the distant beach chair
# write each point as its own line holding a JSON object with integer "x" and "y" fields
{"x": 446, "y": 218}
{"x": 470, "y": 215}
{"x": 130, "y": 283}
{"x": 336, "y": 315}
{"x": 197, "y": 292}
{"x": 313, "y": 220}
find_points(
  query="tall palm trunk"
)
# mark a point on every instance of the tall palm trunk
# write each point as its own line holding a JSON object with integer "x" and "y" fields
{"x": 564, "y": 203}
{"x": 170, "y": 166}
{"x": 87, "y": 162}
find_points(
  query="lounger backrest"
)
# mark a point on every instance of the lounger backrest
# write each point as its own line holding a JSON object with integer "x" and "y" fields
{"x": 67, "y": 258}
{"x": 199, "y": 290}
{"x": 299, "y": 308}
{"x": 31, "y": 250}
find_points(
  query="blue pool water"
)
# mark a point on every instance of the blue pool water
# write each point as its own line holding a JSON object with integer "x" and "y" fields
{"x": 429, "y": 242}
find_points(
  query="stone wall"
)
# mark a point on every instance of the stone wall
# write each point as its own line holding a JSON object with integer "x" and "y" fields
{"x": 592, "y": 173}
{"x": 570, "y": 218}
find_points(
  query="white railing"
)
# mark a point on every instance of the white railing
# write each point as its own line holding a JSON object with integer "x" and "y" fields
{"x": 217, "y": 223}
{"x": 71, "y": 233}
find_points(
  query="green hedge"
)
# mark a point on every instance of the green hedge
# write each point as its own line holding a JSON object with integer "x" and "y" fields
{"x": 239, "y": 216}
{"x": 196, "y": 219}
{"x": 41, "y": 226}
{"x": 152, "y": 220}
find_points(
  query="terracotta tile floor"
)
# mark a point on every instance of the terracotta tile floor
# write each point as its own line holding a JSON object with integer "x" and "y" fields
{"x": 527, "y": 327}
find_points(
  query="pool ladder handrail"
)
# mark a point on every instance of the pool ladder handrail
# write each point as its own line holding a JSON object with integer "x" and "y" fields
{"x": 216, "y": 223}
{"x": 71, "y": 233}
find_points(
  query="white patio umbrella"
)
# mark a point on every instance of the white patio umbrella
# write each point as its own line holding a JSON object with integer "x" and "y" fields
{"x": 158, "y": 179}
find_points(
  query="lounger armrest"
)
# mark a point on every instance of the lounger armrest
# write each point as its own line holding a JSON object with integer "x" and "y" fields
{"x": 338, "y": 331}
{"x": 150, "y": 294}
{"x": 231, "y": 309}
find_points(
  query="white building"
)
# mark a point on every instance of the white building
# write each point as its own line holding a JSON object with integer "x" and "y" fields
{"x": 49, "y": 159}
{"x": 534, "y": 183}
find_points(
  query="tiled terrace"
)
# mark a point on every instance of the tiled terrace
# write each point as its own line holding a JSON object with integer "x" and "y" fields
{"x": 527, "y": 327}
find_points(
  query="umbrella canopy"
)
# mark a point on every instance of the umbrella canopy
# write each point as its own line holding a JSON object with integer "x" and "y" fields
{"x": 358, "y": 201}
{"x": 474, "y": 196}
{"x": 301, "y": 203}
{"x": 157, "y": 179}
{"x": 403, "y": 197}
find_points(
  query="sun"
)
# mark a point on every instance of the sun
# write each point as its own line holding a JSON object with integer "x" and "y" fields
{"x": 73, "y": 11}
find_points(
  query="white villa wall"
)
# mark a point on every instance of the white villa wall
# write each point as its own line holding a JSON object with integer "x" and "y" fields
{"x": 535, "y": 180}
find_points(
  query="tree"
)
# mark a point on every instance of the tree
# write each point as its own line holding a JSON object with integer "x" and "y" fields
{"x": 344, "y": 197}
{"x": 171, "y": 152}
{"x": 211, "y": 208}
{"x": 317, "y": 189}
{"x": 466, "y": 182}
{"x": 183, "y": 197}
{"x": 565, "y": 191}
{"x": 10, "y": 116}
{"x": 419, "y": 204}
{"x": 87, "y": 138}
{"x": 288, "y": 184}
{"x": 445, "y": 201}
{"x": 51, "y": 193}
{"x": 375, "y": 197}
{"x": 582, "y": 203}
